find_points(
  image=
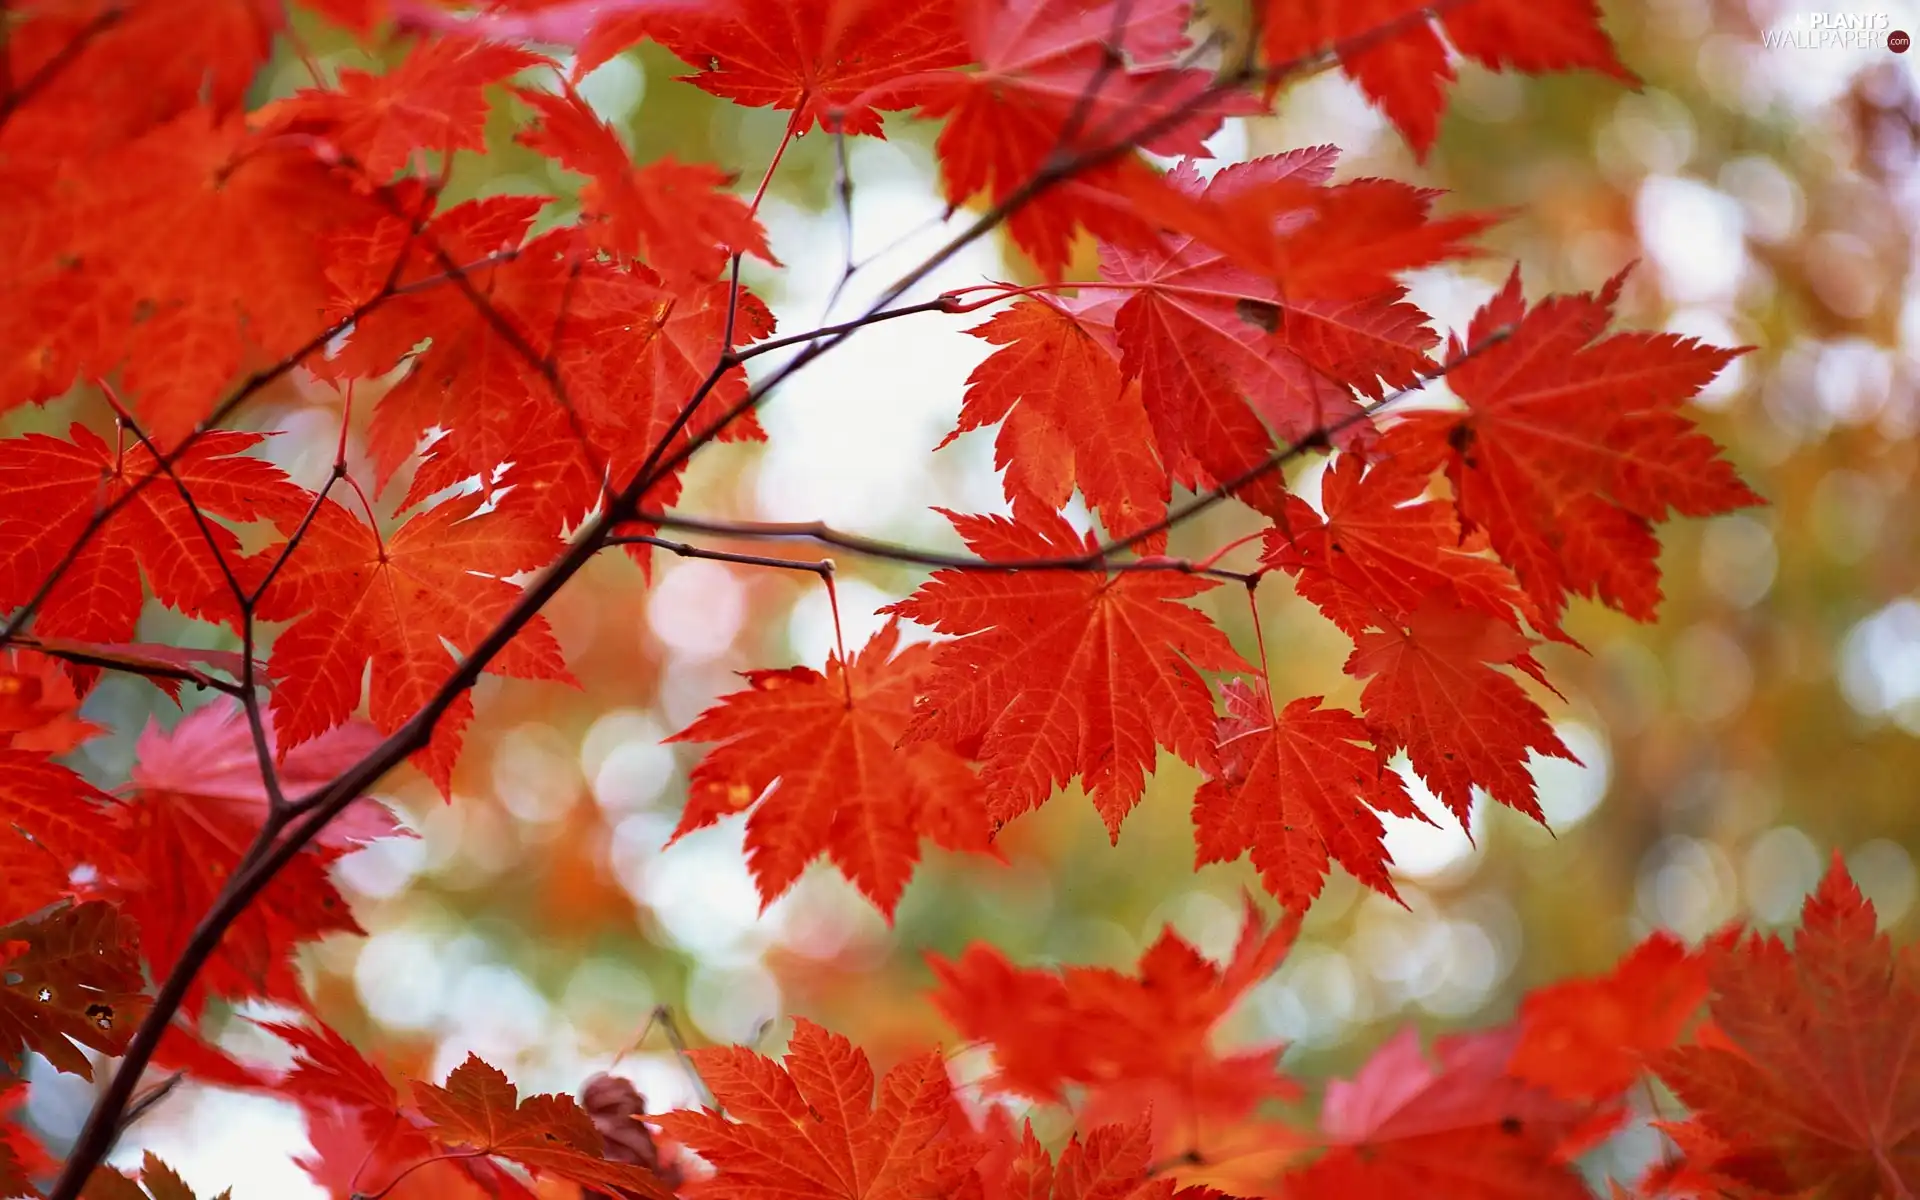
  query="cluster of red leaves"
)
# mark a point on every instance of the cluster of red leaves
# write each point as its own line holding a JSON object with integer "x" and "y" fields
{"x": 1799, "y": 1080}
{"x": 169, "y": 246}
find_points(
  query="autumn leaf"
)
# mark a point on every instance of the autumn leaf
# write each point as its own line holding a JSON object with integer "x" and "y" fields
{"x": 1111, "y": 1162}
{"x": 1433, "y": 689}
{"x": 433, "y": 101}
{"x": 813, "y": 756}
{"x": 1810, "y": 1084}
{"x": 1455, "y": 1126}
{"x": 146, "y": 64}
{"x": 819, "y": 59}
{"x": 51, "y": 490}
{"x": 1591, "y": 1038}
{"x": 811, "y": 1127}
{"x": 1291, "y": 309}
{"x": 1381, "y": 551}
{"x": 21, "y": 1155}
{"x": 1061, "y": 673}
{"x": 674, "y": 216}
{"x": 1140, "y": 1040}
{"x": 355, "y": 598}
{"x": 179, "y": 849}
{"x": 209, "y": 758}
{"x": 1573, "y": 446}
{"x": 1392, "y": 49}
{"x": 69, "y": 975}
{"x": 157, "y": 1181}
{"x": 1050, "y": 87}
{"x": 479, "y": 376}
{"x": 1297, "y": 789}
{"x": 480, "y": 1110}
{"x": 180, "y": 260}
{"x": 52, "y": 823}
{"x": 366, "y": 1135}
{"x": 38, "y": 705}
{"x": 1066, "y": 416}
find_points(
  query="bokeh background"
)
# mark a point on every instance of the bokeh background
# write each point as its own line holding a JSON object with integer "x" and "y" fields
{"x": 1772, "y": 717}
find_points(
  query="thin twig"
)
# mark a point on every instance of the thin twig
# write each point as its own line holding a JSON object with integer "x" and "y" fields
{"x": 826, "y": 535}
{"x": 823, "y": 568}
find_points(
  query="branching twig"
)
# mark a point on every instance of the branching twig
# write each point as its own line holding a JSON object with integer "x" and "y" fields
{"x": 823, "y": 568}
{"x": 826, "y": 535}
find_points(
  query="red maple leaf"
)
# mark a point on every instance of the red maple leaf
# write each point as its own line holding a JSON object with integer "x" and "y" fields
{"x": 210, "y": 757}
{"x": 811, "y": 1128}
{"x": 144, "y": 63}
{"x": 480, "y": 1110}
{"x": 180, "y": 259}
{"x": 1573, "y": 446}
{"x": 355, "y": 598}
{"x": 479, "y": 378}
{"x": 1591, "y": 1038}
{"x": 21, "y": 1155}
{"x": 813, "y": 756}
{"x": 627, "y": 350}
{"x": 1067, "y": 417}
{"x": 1111, "y": 1162}
{"x": 52, "y": 822}
{"x": 1138, "y": 1040}
{"x": 1433, "y": 689}
{"x": 367, "y": 1137}
{"x": 51, "y": 491}
{"x": 38, "y": 705}
{"x": 819, "y": 59}
{"x": 1381, "y": 551}
{"x": 1051, "y": 87}
{"x": 1060, "y": 673}
{"x": 1296, "y": 789}
{"x": 183, "y": 833}
{"x": 434, "y": 101}
{"x": 1289, "y": 309}
{"x": 71, "y": 974}
{"x": 1811, "y": 1082}
{"x": 1392, "y": 50}
{"x": 673, "y": 216}
{"x": 1460, "y": 1127}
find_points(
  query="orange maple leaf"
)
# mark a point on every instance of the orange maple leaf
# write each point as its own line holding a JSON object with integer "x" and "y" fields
{"x": 1067, "y": 418}
{"x": 433, "y": 101}
{"x": 1381, "y": 551}
{"x": 1297, "y": 788}
{"x": 52, "y": 490}
{"x": 1433, "y": 688}
{"x": 673, "y": 216}
{"x": 1060, "y": 673}
{"x": 813, "y": 755}
{"x": 820, "y": 59}
{"x": 355, "y": 599}
{"x": 1138, "y": 1040}
{"x": 1573, "y": 446}
{"x": 810, "y": 1127}
{"x": 1050, "y": 87}
{"x": 52, "y": 822}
